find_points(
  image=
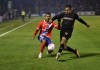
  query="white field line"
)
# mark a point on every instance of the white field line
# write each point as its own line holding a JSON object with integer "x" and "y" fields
{"x": 15, "y": 29}
{"x": 6, "y": 27}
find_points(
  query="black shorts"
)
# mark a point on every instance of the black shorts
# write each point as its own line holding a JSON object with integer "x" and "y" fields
{"x": 66, "y": 33}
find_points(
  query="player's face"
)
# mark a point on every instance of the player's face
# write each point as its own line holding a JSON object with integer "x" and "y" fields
{"x": 48, "y": 17}
{"x": 68, "y": 10}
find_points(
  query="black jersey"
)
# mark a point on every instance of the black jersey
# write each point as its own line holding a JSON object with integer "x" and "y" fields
{"x": 68, "y": 19}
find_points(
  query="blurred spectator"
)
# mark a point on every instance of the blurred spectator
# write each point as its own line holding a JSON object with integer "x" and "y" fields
{"x": 9, "y": 15}
{"x": 1, "y": 18}
{"x": 23, "y": 15}
{"x": 54, "y": 6}
{"x": 29, "y": 14}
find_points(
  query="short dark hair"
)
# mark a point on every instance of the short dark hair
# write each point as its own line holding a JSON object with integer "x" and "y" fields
{"x": 68, "y": 6}
{"x": 48, "y": 13}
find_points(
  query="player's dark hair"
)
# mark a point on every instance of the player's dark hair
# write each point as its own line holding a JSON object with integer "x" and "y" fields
{"x": 48, "y": 13}
{"x": 68, "y": 6}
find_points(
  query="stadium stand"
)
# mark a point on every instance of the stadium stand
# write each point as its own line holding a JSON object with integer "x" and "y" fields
{"x": 42, "y": 6}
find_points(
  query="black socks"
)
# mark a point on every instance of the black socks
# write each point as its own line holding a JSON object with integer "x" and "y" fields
{"x": 67, "y": 49}
{"x": 61, "y": 48}
{"x": 70, "y": 49}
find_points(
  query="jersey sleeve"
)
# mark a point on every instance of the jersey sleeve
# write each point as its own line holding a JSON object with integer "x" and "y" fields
{"x": 55, "y": 25}
{"x": 38, "y": 27}
{"x": 77, "y": 17}
{"x": 59, "y": 16}
{"x": 80, "y": 20}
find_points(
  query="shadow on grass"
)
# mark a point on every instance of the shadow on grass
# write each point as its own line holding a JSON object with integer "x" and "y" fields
{"x": 46, "y": 56}
{"x": 85, "y": 55}
{"x": 51, "y": 55}
{"x": 64, "y": 60}
{"x": 82, "y": 55}
{"x": 54, "y": 55}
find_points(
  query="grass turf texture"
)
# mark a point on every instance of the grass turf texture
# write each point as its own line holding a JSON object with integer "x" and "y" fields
{"x": 19, "y": 52}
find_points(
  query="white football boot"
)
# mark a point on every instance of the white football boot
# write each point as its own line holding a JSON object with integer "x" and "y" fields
{"x": 58, "y": 55}
{"x": 40, "y": 55}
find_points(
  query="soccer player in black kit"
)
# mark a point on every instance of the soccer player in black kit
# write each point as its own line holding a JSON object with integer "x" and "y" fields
{"x": 68, "y": 18}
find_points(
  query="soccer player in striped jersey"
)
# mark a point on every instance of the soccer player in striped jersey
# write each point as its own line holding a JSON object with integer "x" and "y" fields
{"x": 45, "y": 34}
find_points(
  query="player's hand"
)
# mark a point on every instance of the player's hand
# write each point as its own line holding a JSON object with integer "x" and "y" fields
{"x": 88, "y": 25}
{"x": 33, "y": 37}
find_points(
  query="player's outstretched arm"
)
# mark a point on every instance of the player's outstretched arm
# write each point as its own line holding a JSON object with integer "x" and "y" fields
{"x": 88, "y": 25}
{"x": 59, "y": 21}
{"x": 82, "y": 21}
{"x": 36, "y": 31}
{"x": 56, "y": 26}
{"x": 59, "y": 16}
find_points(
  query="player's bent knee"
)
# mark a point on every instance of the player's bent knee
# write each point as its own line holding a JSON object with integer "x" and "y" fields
{"x": 63, "y": 41}
{"x": 43, "y": 41}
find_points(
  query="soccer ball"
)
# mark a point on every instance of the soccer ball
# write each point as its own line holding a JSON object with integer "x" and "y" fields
{"x": 51, "y": 47}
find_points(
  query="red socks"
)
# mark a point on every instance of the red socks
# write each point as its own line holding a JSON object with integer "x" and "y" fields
{"x": 42, "y": 46}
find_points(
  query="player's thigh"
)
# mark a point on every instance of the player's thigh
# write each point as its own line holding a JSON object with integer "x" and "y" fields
{"x": 44, "y": 41}
{"x": 62, "y": 32}
{"x": 67, "y": 35}
{"x": 48, "y": 41}
{"x": 41, "y": 39}
{"x": 64, "y": 38}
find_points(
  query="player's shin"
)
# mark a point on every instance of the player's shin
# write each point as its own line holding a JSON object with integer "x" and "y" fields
{"x": 61, "y": 48}
{"x": 42, "y": 47}
{"x": 69, "y": 49}
{"x": 75, "y": 51}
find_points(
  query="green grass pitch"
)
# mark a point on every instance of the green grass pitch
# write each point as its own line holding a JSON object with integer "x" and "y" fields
{"x": 19, "y": 52}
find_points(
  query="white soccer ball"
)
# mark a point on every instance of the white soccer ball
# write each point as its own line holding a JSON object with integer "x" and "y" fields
{"x": 51, "y": 47}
